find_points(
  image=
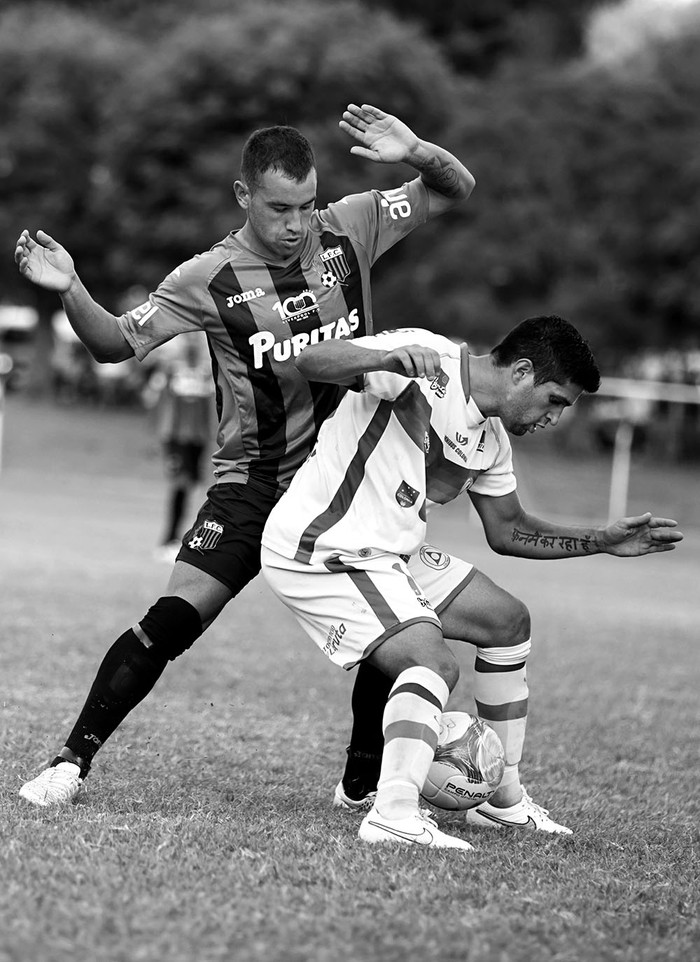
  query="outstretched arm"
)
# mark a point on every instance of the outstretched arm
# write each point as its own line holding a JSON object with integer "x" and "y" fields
{"x": 47, "y": 264}
{"x": 385, "y": 139}
{"x": 342, "y": 361}
{"x": 510, "y": 530}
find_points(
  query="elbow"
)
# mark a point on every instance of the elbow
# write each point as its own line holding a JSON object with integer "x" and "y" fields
{"x": 467, "y": 185}
{"x": 496, "y": 543}
{"x": 104, "y": 356}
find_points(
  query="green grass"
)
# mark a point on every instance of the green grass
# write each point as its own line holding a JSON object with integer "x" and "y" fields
{"x": 206, "y": 833}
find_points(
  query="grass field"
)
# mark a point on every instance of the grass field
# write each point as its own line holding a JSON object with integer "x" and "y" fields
{"x": 206, "y": 831}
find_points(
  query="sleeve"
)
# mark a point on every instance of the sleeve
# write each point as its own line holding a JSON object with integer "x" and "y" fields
{"x": 175, "y": 307}
{"x": 499, "y": 478}
{"x": 378, "y": 219}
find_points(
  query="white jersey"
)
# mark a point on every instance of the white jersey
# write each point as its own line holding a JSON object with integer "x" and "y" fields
{"x": 385, "y": 456}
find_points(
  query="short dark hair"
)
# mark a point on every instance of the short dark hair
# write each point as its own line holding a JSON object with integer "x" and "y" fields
{"x": 556, "y": 349}
{"x": 284, "y": 149}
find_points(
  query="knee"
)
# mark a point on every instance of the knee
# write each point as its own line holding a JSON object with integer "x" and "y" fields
{"x": 171, "y": 625}
{"x": 447, "y": 667}
{"x": 513, "y": 626}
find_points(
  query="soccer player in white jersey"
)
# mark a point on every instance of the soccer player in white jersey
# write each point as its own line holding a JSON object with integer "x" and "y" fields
{"x": 291, "y": 276}
{"x": 345, "y": 546}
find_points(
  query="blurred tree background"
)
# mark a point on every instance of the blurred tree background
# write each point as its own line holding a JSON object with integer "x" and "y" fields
{"x": 122, "y": 125}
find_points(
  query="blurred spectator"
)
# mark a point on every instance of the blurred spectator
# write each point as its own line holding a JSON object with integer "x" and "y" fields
{"x": 180, "y": 393}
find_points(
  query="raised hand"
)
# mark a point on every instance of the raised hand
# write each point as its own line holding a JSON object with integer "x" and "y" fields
{"x": 44, "y": 262}
{"x": 644, "y": 534}
{"x": 380, "y": 137}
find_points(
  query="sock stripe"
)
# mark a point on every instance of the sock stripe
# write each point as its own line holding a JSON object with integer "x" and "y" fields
{"x": 487, "y": 666}
{"x": 411, "y": 729}
{"x": 511, "y": 709}
{"x": 412, "y": 688}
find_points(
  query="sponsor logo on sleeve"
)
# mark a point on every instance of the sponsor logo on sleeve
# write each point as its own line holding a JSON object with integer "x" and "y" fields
{"x": 396, "y": 202}
{"x": 144, "y": 312}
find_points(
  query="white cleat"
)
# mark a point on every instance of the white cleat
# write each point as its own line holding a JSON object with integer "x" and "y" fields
{"x": 341, "y": 800}
{"x": 54, "y": 786}
{"x": 524, "y": 814}
{"x": 416, "y": 829}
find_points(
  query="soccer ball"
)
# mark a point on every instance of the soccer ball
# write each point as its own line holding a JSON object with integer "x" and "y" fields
{"x": 468, "y": 764}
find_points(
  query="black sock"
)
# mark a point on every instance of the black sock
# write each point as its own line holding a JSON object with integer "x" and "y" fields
{"x": 369, "y": 698}
{"x": 128, "y": 672}
{"x": 176, "y": 509}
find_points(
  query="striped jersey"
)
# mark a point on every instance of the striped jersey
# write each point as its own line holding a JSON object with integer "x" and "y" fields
{"x": 386, "y": 455}
{"x": 259, "y": 315}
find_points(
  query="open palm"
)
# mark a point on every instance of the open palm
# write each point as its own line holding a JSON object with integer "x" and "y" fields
{"x": 381, "y": 137}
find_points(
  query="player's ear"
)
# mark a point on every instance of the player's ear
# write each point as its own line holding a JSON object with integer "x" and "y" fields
{"x": 242, "y": 193}
{"x": 521, "y": 368}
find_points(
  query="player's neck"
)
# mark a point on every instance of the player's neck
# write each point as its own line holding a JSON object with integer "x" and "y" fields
{"x": 483, "y": 384}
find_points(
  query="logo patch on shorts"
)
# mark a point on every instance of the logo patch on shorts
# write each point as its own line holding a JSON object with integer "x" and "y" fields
{"x": 206, "y": 536}
{"x": 434, "y": 558}
{"x": 406, "y": 495}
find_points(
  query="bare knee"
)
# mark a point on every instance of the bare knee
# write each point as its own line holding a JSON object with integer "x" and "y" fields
{"x": 511, "y": 623}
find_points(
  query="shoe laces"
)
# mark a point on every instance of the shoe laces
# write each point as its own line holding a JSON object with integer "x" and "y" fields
{"x": 529, "y": 802}
{"x": 427, "y": 816}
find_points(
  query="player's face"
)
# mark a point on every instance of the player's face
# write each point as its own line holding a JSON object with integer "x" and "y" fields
{"x": 532, "y": 406}
{"x": 278, "y": 210}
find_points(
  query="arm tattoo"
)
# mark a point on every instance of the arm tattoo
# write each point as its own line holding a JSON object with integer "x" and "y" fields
{"x": 441, "y": 177}
{"x": 564, "y": 542}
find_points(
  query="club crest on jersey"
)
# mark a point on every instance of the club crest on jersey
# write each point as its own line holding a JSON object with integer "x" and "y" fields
{"x": 206, "y": 536}
{"x": 298, "y": 307}
{"x": 439, "y": 384}
{"x": 406, "y": 495}
{"x": 332, "y": 266}
{"x": 434, "y": 558}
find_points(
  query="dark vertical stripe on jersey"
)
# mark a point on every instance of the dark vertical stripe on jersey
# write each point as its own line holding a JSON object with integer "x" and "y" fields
{"x": 352, "y": 287}
{"x": 215, "y": 375}
{"x": 369, "y": 591}
{"x": 267, "y": 394}
{"x": 290, "y": 282}
{"x": 444, "y": 479}
{"x": 342, "y": 499}
{"x": 413, "y": 413}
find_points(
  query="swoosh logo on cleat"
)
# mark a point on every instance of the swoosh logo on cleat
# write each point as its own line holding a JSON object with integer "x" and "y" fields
{"x": 425, "y": 837}
{"x": 502, "y": 821}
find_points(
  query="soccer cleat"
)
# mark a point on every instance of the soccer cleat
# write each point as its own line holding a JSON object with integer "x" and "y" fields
{"x": 341, "y": 800}
{"x": 524, "y": 814}
{"x": 416, "y": 829}
{"x": 54, "y": 786}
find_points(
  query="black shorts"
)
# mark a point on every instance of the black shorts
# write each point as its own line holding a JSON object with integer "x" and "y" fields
{"x": 183, "y": 460}
{"x": 224, "y": 541}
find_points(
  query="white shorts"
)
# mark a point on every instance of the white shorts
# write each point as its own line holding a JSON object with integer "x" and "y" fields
{"x": 350, "y": 604}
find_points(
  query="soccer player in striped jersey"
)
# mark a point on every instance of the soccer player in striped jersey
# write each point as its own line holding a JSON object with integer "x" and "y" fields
{"x": 345, "y": 547}
{"x": 291, "y": 276}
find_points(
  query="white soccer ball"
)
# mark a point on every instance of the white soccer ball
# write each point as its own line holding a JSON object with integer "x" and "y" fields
{"x": 468, "y": 764}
